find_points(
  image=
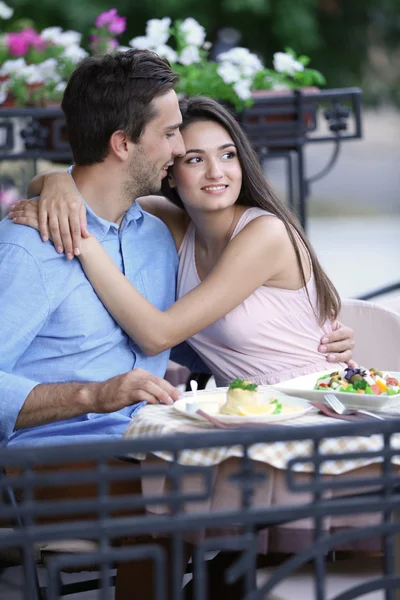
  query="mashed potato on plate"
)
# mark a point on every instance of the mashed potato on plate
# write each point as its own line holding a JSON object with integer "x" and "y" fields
{"x": 243, "y": 399}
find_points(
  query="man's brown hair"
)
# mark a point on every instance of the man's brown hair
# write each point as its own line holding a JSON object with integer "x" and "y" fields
{"x": 111, "y": 93}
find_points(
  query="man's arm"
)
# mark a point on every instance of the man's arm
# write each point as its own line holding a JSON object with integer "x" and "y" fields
{"x": 53, "y": 402}
{"x": 24, "y": 308}
{"x": 58, "y": 401}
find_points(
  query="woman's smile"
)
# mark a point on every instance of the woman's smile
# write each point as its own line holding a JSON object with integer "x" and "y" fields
{"x": 215, "y": 189}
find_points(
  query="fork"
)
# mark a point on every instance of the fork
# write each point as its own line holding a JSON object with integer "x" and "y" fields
{"x": 338, "y": 406}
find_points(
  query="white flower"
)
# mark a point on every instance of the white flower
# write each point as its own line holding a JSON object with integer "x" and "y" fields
{"x": 189, "y": 55}
{"x": 31, "y": 74}
{"x": 74, "y": 53}
{"x": 207, "y": 45}
{"x": 12, "y": 67}
{"x": 69, "y": 38}
{"x": 5, "y": 12}
{"x": 193, "y": 32}
{"x": 60, "y": 87}
{"x": 51, "y": 34}
{"x": 242, "y": 89}
{"x": 141, "y": 43}
{"x": 166, "y": 52}
{"x": 158, "y": 30}
{"x": 146, "y": 43}
{"x": 57, "y": 36}
{"x": 285, "y": 63}
{"x": 247, "y": 62}
{"x": 48, "y": 69}
{"x": 123, "y": 49}
{"x": 228, "y": 72}
{"x": 235, "y": 54}
{"x": 3, "y": 92}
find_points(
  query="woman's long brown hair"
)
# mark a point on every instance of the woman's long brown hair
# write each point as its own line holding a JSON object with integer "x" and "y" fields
{"x": 257, "y": 192}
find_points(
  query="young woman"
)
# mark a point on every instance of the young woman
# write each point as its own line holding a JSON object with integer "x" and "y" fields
{"x": 252, "y": 298}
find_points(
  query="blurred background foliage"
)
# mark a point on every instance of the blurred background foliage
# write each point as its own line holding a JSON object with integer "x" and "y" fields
{"x": 353, "y": 42}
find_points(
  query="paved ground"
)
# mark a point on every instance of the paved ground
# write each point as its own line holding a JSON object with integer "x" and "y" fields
{"x": 342, "y": 575}
{"x": 366, "y": 176}
{"x": 354, "y": 220}
{"x": 358, "y": 254}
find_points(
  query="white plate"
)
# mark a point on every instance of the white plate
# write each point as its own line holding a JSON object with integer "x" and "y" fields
{"x": 212, "y": 400}
{"x": 303, "y": 387}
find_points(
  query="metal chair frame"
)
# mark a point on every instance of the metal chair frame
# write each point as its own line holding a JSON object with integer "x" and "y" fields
{"x": 384, "y": 499}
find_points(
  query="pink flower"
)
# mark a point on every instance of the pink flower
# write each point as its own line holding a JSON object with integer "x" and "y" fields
{"x": 112, "y": 45}
{"x": 8, "y": 197}
{"x": 103, "y": 45}
{"x": 117, "y": 26}
{"x": 17, "y": 45}
{"x": 114, "y": 23}
{"x": 19, "y": 42}
{"x": 106, "y": 17}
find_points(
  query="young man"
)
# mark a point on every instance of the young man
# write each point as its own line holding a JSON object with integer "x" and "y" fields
{"x": 67, "y": 370}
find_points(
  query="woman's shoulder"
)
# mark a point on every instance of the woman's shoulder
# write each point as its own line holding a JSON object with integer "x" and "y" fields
{"x": 257, "y": 219}
{"x": 176, "y": 219}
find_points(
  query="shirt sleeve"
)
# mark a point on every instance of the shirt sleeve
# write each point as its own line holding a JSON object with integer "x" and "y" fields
{"x": 24, "y": 308}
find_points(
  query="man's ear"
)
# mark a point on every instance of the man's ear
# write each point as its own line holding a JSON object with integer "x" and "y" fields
{"x": 120, "y": 145}
{"x": 171, "y": 180}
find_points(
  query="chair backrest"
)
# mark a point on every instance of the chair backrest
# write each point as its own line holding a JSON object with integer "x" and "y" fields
{"x": 377, "y": 334}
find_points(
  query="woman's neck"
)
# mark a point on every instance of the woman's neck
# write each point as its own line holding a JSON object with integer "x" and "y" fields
{"x": 214, "y": 229}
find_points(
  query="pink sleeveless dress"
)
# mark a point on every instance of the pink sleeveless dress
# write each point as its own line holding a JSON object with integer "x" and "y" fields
{"x": 271, "y": 337}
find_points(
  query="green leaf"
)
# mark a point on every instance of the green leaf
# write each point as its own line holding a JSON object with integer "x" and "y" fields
{"x": 290, "y": 51}
{"x": 243, "y": 385}
{"x": 360, "y": 385}
{"x": 304, "y": 60}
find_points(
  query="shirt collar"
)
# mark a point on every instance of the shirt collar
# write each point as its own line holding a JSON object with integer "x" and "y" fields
{"x": 99, "y": 227}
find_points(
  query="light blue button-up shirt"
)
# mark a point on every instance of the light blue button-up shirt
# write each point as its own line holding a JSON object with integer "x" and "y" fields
{"x": 53, "y": 327}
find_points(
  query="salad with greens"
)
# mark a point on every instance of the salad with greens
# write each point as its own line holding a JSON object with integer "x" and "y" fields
{"x": 359, "y": 381}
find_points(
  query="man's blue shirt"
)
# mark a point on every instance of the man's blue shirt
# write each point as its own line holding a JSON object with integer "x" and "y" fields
{"x": 53, "y": 327}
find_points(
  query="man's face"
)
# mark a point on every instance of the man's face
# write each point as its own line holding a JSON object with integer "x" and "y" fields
{"x": 159, "y": 144}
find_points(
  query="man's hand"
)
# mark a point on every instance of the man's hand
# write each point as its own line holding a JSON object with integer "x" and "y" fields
{"x": 339, "y": 344}
{"x": 135, "y": 386}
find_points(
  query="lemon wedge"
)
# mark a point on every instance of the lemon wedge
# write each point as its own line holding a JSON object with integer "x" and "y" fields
{"x": 256, "y": 409}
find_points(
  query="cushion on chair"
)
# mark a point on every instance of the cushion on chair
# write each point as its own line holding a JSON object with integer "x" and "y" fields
{"x": 376, "y": 332}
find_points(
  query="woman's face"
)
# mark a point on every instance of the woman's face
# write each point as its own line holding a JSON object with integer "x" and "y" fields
{"x": 209, "y": 176}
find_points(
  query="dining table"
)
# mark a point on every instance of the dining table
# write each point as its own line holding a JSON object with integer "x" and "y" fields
{"x": 271, "y": 460}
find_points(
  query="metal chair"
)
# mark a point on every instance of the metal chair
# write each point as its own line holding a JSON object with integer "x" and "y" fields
{"x": 376, "y": 331}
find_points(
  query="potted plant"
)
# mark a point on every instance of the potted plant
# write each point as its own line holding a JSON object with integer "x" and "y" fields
{"x": 36, "y": 66}
{"x": 236, "y": 77}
